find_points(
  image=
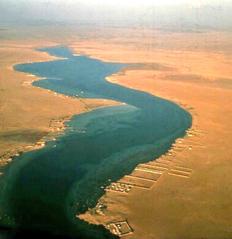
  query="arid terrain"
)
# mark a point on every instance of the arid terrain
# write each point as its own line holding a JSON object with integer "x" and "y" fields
{"x": 185, "y": 193}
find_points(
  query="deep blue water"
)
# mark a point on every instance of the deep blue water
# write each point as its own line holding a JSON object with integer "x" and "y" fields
{"x": 44, "y": 189}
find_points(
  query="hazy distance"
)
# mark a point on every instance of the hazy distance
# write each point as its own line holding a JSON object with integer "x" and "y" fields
{"x": 169, "y": 14}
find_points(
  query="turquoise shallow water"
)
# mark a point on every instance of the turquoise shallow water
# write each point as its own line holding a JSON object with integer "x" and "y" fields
{"x": 44, "y": 189}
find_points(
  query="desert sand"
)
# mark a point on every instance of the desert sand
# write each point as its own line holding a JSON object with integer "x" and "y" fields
{"x": 185, "y": 193}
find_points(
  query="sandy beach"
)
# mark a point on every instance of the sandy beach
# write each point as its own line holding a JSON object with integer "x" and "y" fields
{"x": 191, "y": 196}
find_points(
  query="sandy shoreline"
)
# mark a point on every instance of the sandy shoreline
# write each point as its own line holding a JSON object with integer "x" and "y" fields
{"x": 54, "y": 123}
{"x": 104, "y": 212}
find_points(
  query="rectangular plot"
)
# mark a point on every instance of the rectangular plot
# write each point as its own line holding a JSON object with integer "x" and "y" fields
{"x": 147, "y": 175}
{"x": 164, "y": 160}
{"x": 155, "y": 166}
{"x": 136, "y": 182}
{"x": 164, "y": 164}
{"x": 189, "y": 170}
{"x": 149, "y": 170}
{"x": 179, "y": 175}
{"x": 120, "y": 228}
{"x": 182, "y": 173}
